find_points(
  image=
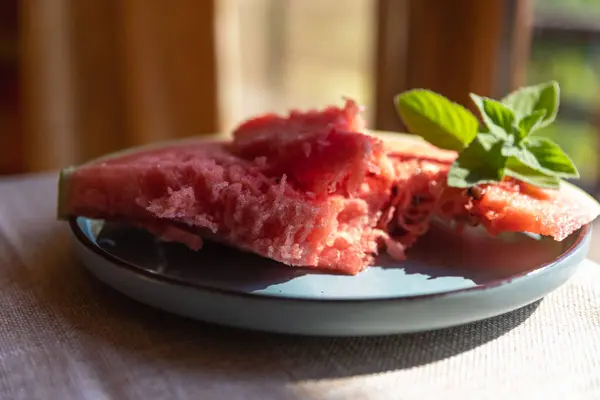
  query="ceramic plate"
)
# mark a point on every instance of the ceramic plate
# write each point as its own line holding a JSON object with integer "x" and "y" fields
{"x": 448, "y": 280}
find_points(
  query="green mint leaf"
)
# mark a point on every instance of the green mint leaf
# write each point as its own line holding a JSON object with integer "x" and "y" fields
{"x": 436, "y": 119}
{"x": 488, "y": 141}
{"x": 531, "y": 122}
{"x": 497, "y": 117}
{"x": 526, "y": 100}
{"x": 551, "y": 158}
{"x": 502, "y": 145}
{"x": 520, "y": 152}
{"x": 480, "y": 162}
{"x": 544, "y": 156}
{"x": 518, "y": 170}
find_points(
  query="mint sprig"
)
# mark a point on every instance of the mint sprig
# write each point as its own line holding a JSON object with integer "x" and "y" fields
{"x": 503, "y": 146}
{"x": 526, "y": 100}
{"x": 441, "y": 122}
{"x": 481, "y": 162}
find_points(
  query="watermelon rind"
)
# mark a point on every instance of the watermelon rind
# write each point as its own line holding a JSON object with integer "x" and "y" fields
{"x": 63, "y": 182}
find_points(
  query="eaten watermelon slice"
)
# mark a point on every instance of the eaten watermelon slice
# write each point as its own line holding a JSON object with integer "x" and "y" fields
{"x": 312, "y": 200}
{"x": 514, "y": 206}
{"x": 307, "y": 190}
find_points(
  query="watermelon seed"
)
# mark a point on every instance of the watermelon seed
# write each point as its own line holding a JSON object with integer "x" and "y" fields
{"x": 475, "y": 192}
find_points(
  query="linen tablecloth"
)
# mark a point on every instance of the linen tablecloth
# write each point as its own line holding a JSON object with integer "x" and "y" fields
{"x": 64, "y": 335}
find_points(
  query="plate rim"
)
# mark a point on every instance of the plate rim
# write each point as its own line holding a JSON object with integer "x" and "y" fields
{"x": 583, "y": 237}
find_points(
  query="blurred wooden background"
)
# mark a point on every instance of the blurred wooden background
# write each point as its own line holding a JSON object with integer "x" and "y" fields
{"x": 82, "y": 78}
{"x": 98, "y": 76}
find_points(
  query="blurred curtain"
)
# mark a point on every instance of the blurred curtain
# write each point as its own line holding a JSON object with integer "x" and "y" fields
{"x": 98, "y": 76}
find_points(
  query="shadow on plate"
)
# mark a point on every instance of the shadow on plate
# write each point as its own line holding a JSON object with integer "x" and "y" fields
{"x": 214, "y": 263}
{"x": 477, "y": 256}
{"x": 441, "y": 253}
{"x": 69, "y": 299}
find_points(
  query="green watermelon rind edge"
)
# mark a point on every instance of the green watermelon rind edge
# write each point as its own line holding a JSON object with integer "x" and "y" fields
{"x": 63, "y": 181}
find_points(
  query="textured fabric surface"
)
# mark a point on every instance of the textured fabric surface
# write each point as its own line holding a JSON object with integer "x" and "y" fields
{"x": 64, "y": 335}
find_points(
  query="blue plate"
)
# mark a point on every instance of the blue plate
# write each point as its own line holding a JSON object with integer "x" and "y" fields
{"x": 448, "y": 280}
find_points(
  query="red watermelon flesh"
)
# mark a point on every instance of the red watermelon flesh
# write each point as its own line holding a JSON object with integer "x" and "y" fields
{"x": 328, "y": 161}
{"x": 508, "y": 206}
{"x": 320, "y": 151}
{"x": 199, "y": 189}
{"x": 266, "y": 134}
{"x": 306, "y": 191}
{"x": 514, "y": 206}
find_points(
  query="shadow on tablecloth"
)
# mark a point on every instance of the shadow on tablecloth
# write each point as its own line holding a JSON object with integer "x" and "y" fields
{"x": 72, "y": 308}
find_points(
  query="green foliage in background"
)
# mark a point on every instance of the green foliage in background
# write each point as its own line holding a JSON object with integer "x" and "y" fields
{"x": 579, "y": 79}
{"x": 572, "y": 6}
{"x": 576, "y": 66}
